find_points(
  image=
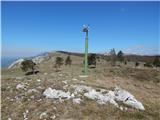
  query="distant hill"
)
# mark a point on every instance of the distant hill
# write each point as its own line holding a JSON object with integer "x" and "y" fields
{"x": 128, "y": 57}
{"x": 6, "y": 61}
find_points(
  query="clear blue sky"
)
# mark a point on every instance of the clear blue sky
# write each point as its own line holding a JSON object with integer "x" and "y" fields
{"x": 32, "y": 27}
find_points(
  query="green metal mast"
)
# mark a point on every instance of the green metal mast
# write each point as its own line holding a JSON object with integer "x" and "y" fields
{"x": 85, "y": 29}
{"x": 86, "y": 55}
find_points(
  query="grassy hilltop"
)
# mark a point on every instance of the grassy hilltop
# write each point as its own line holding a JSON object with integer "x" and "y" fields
{"x": 28, "y": 101}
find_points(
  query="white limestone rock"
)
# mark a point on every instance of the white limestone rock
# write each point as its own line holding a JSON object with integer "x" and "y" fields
{"x": 53, "y": 93}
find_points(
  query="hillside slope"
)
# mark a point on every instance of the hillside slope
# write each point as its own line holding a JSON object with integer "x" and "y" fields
{"x": 25, "y": 97}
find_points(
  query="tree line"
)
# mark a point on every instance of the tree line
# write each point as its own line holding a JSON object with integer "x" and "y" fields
{"x": 30, "y": 67}
{"x": 120, "y": 57}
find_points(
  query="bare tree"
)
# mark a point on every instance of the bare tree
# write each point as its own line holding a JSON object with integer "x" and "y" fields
{"x": 112, "y": 54}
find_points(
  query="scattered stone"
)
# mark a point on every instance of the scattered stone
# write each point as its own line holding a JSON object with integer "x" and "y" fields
{"x": 39, "y": 87}
{"x": 77, "y": 100}
{"x": 38, "y": 80}
{"x": 60, "y": 75}
{"x": 43, "y": 115}
{"x": 83, "y": 76}
{"x": 8, "y": 98}
{"x": 65, "y": 87}
{"x": 45, "y": 73}
{"x": 8, "y": 87}
{"x": 61, "y": 100}
{"x": 25, "y": 114}
{"x": 19, "y": 78}
{"x": 39, "y": 100}
{"x": 53, "y": 117}
{"x": 82, "y": 81}
{"x": 74, "y": 79}
{"x": 125, "y": 108}
{"x": 65, "y": 82}
{"x": 32, "y": 90}
{"x": 32, "y": 97}
{"x": 21, "y": 86}
{"x": 121, "y": 108}
{"x": 54, "y": 108}
{"x": 72, "y": 95}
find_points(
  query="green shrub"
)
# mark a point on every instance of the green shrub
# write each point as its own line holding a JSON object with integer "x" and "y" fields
{"x": 59, "y": 62}
{"x": 120, "y": 56}
{"x": 28, "y": 65}
{"x": 68, "y": 61}
{"x": 92, "y": 60}
{"x": 136, "y": 64}
{"x": 156, "y": 62}
{"x": 125, "y": 62}
{"x": 148, "y": 64}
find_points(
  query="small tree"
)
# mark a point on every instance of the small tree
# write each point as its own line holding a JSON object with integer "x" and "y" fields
{"x": 148, "y": 64}
{"x": 68, "y": 61}
{"x": 92, "y": 60}
{"x": 136, "y": 64}
{"x": 120, "y": 56}
{"x": 112, "y": 54}
{"x": 59, "y": 62}
{"x": 98, "y": 58}
{"x": 156, "y": 62}
{"x": 28, "y": 65}
{"x": 125, "y": 62}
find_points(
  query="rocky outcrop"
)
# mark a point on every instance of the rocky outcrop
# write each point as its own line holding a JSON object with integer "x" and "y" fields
{"x": 102, "y": 96}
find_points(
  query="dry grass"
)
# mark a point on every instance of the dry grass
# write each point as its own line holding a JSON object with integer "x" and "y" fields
{"x": 142, "y": 83}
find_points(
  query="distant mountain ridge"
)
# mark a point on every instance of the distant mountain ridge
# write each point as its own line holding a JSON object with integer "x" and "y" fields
{"x": 6, "y": 61}
{"x": 36, "y": 59}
